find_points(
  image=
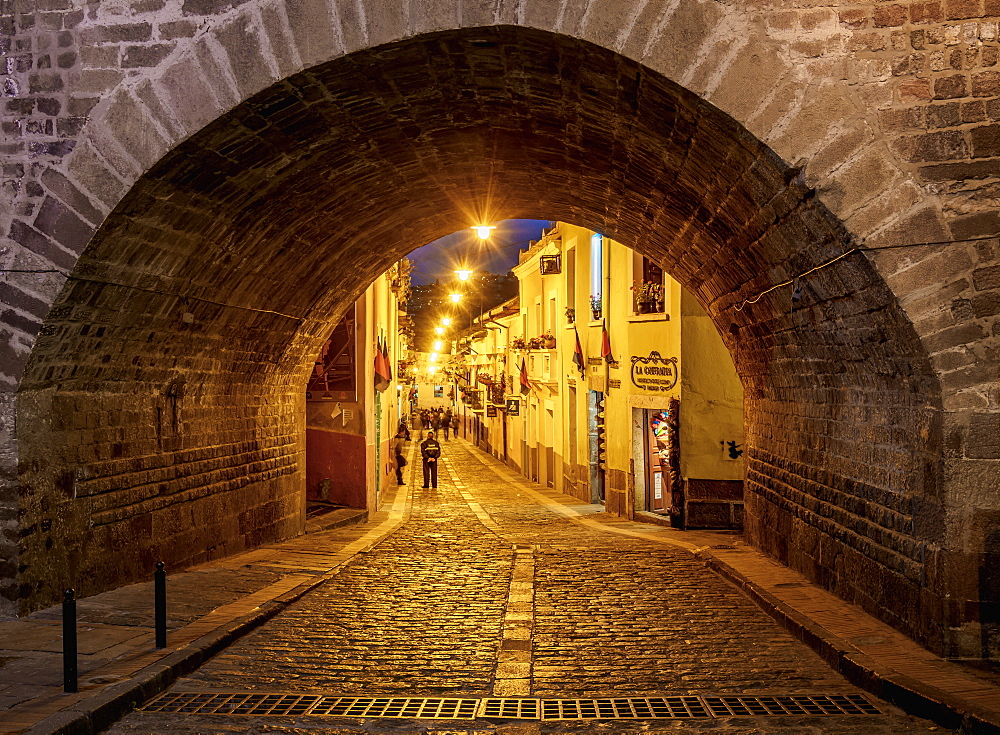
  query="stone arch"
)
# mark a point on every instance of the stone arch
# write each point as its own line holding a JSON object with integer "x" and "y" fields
{"x": 271, "y": 219}
{"x": 837, "y": 91}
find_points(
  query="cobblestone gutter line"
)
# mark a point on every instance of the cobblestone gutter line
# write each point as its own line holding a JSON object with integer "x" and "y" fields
{"x": 932, "y": 687}
{"x": 512, "y": 677}
{"x": 93, "y": 712}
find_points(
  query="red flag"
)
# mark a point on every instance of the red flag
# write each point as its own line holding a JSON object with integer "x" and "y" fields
{"x": 381, "y": 371}
{"x": 606, "y": 345}
{"x": 525, "y": 385}
{"x": 578, "y": 353}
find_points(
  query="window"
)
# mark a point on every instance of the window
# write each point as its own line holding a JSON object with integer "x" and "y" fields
{"x": 334, "y": 376}
{"x": 648, "y": 288}
{"x": 571, "y": 285}
{"x": 596, "y": 275}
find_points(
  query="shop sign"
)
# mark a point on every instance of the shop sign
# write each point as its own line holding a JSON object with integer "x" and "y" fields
{"x": 654, "y": 373}
{"x": 595, "y": 360}
{"x": 491, "y": 410}
{"x": 614, "y": 383}
{"x": 513, "y": 407}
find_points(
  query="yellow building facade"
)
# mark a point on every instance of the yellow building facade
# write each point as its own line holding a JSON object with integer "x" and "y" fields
{"x": 646, "y": 416}
{"x": 351, "y": 416}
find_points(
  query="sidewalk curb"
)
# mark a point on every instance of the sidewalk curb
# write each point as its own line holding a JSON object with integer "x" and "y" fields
{"x": 914, "y": 697}
{"x": 99, "y": 712}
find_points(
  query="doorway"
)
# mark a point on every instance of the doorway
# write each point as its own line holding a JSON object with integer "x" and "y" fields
{"x": 598, "y": 437}
{"x": 661, "y": 462}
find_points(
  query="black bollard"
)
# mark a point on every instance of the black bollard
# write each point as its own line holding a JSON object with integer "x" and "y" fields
{"x": 160, "y": 604}
{"x": 69, "y": 642}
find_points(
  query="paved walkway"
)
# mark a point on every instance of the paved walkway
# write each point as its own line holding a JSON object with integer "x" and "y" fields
{"x": 492, "y": 586}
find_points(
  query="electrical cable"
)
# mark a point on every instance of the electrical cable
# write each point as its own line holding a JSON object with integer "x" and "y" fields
{"x": 858, "y": 249}
{"x": 160, "y": 293}
{"x": 743, "y": 305}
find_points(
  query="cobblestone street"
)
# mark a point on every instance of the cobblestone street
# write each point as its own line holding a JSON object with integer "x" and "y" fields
{"x": 484, "y": 591}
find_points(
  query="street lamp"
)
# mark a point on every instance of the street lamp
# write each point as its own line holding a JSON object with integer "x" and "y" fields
{"x": 463, "y": 275}
{"x": 446, "y": 321}
{"x": 484, "y": 231}
{"x": 437, "y": 345}
{"x": 439, "y": 330}
{"x": 455, "y": 298}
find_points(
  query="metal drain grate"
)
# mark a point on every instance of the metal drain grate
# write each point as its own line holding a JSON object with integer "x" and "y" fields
{"x": 423, "y": 708}
{"x": 426, "y": 708}
{"x": 513, "y": 708}
{"x": 623, "y": 708}
{"x": 823, "y": 704}
{"x": 510, "y": 708}
{"x": 235, "y": 704}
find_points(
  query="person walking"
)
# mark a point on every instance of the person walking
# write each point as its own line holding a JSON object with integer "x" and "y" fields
{"x": 454, "y": 425}
{"x": 430, "y": 451}
{"x": 399, "y": 446}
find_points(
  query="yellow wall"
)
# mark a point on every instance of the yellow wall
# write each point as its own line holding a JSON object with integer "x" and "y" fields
{"x": 707, "y": 386}
{"x": 711, "y": 399}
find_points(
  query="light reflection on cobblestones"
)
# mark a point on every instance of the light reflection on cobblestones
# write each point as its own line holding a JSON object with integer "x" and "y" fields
{"x": 422, "y": 614}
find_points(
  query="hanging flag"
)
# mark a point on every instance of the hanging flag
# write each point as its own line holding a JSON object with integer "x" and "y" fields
{"x": 525, "y": 385}
{"x": 578, "y": 354}
{"x": 606, "y": 344}
{"x": 381, "y": 369}
{"x": 387, "y": 358}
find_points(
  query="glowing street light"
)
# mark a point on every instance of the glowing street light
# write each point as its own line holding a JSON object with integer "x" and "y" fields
{"x": 433, "y": 357}
{"x": 432, "y": 369}
{"x": 438, "y": 345}
{"x": 446, "y": 321}
{"x": 484, "y": 231}
{"x": 438, "y": 330}
{"x": 455, "y": 298}
{"x": 463, "y": 275}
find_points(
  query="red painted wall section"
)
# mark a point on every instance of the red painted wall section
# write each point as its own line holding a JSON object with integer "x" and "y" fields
{"x": 341, "y": 458}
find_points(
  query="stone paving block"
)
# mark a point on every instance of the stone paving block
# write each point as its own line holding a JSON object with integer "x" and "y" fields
{"x": 603, "y": 615}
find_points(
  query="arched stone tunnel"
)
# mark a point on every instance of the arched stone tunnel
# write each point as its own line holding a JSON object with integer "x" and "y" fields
{"x": 220, "y": 205}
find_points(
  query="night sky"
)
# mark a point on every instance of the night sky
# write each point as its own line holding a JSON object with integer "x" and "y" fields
{"x": 440, "y": 258}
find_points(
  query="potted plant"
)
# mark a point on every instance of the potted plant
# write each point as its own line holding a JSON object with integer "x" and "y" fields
{"x": 518, "y": 343}
{"x": 596, "y": 304}
{"x": 548, "y": 340}
{"x": 648, "y": 296}
{"x": 535, "y": 343}
{"x": 656, "y": 292}
{"x": 570, "y": 314}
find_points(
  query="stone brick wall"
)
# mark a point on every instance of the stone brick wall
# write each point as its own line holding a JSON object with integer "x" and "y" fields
{"x": 788, "y": 134}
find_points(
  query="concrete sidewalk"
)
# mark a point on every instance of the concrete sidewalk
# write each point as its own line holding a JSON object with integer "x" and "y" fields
{"x": 215, "y": 604}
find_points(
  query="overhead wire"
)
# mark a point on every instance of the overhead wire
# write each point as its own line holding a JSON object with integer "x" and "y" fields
{"x": 743, "y": 304}
{"x": 858, "y": 249}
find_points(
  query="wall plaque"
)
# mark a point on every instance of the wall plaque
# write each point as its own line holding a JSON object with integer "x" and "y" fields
{"x": 654, "y": 373}
{"x": 614, "y": 383}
